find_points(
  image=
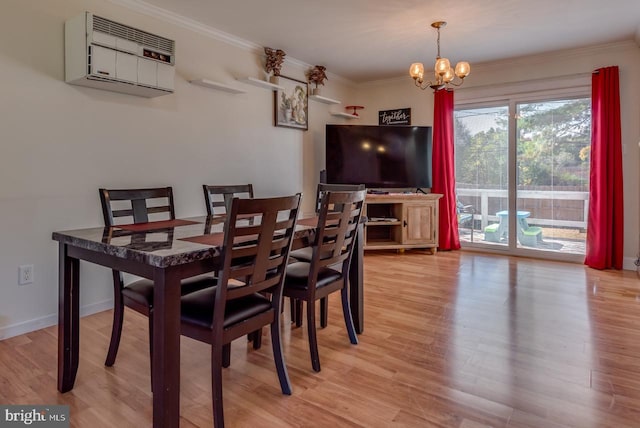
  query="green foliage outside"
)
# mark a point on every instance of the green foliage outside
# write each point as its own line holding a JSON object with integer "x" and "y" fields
{"x": 553, "y": 145}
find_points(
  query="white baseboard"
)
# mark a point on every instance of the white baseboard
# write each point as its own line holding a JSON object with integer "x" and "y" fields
{"x": 49, "y": 320}
{"x": 629, "y": 263}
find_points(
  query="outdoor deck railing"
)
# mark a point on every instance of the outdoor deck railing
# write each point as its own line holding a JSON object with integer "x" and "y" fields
{"x": 485, "y": 216}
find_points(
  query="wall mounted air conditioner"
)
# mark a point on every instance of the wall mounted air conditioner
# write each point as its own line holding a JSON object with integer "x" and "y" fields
{"x": 103, "y": 54}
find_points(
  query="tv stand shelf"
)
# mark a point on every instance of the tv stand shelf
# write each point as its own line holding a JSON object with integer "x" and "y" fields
{"x": 384, "y": 223}
{"x": 401, "y": 221}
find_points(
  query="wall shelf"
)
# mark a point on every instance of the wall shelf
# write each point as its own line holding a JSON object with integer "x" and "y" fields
{"x": 261, "y": 83}
{"x": 345, "y": 115}
{"x": 217, "y": 86}
{"x": 322, "y": 99}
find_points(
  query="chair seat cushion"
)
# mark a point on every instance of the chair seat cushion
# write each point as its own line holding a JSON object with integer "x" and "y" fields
{"x": 302, "y": 254}
{"x": 298, "y": 273}
{"x": 197, "y": 308}
{"x": 141, "y": 291}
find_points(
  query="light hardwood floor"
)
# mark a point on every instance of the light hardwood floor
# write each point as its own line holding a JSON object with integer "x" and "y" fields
{"x": 452, "y": 340}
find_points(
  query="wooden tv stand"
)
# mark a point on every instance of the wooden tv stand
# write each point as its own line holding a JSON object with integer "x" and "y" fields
{"x": 397, "y": 221}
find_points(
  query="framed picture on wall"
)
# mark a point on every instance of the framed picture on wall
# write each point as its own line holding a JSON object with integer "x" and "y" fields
{"x": 290, "y": 104}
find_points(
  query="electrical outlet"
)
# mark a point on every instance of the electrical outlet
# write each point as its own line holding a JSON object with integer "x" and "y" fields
{"x": 25, "y": 274}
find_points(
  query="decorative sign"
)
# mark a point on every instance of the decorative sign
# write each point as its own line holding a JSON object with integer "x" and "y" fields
{"x": 399, "y": 116}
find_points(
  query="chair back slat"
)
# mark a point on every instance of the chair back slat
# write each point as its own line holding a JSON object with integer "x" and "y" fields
{"x": 141, "y": 203}
{"x": 243, "y": 270}
{"x": 333, "y": 261}
{"x": 257, "y": 241}
{"x": 218, "y": 198}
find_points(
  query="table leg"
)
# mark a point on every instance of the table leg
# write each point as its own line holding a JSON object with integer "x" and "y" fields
{"x": 68, "y": 318}
{"x": 166, "y": 349}
{"x": 356, "y": 278}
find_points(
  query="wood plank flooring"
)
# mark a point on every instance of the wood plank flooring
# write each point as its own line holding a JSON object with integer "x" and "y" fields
{"x": 452, "y": 340}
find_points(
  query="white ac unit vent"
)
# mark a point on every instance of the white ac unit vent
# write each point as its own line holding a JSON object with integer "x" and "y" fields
{"x": 129, "y": 33}
{"x": 103, "y": 54}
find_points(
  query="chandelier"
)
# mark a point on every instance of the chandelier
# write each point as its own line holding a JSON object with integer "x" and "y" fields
{"x": 444, "y": 76}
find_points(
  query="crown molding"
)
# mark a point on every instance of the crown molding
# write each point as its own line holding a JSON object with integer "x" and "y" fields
{"x": 213, "y": 33}
{"x": 188, "y": 23}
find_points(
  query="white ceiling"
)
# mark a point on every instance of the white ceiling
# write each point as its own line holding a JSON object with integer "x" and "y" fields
{"x": 365, "y": 40}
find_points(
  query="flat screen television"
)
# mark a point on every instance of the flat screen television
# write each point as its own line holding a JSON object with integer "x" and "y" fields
{"x": 379, "y": 156}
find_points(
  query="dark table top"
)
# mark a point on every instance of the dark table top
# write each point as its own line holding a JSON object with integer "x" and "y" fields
{"x": 163, "y": 243}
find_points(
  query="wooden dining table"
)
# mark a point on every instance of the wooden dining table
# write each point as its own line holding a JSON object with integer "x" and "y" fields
{"x": 165, "y": 252}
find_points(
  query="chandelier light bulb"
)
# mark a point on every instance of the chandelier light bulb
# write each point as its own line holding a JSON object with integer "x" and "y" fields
{"x": 448, "y": 76}
{"x": 462, "y": 69}
{"x": 416, "y": 70}
{"x": 442, "y": 66}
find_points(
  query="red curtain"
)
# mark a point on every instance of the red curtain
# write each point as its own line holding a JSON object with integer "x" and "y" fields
{"x": 444, "y": 169}
{"x": 605, "y": 225}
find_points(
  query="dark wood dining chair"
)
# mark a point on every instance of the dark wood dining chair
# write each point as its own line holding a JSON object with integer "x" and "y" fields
{"x": 248, "y": 294}
{"x": 218, "y": 198}
{"x": 126, "y": 206}
{"x": 304, "y": 254}
{"x": 328, "y": 270}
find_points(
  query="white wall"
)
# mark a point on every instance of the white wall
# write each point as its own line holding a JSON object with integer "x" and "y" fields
{"x": 392, "y": 94}
{"x": 488, "y": 78}
{"x": 60, "y": 143}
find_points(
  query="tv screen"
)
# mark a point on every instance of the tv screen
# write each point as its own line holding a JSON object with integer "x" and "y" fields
{"x": 379, "y": 156}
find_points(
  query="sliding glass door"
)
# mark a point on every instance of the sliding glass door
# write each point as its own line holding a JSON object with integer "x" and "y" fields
{"x": 482, "y": 173}
{"x": 522, "y": 174}
{"x": 553, "y": 146}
